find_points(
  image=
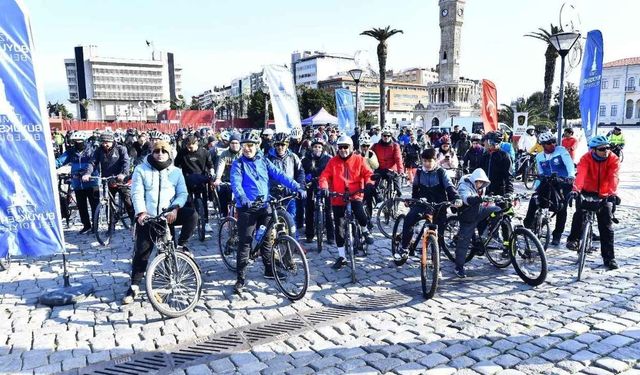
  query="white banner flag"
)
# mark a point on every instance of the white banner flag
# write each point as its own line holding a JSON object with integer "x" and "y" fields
{"x": 284, "y": 100}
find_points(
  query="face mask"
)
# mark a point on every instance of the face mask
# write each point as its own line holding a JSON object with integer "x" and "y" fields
{"x": 80, "y": 146}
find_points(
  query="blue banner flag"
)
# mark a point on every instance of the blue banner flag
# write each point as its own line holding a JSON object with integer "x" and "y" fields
{"x": 345, "y": 106}
{"x": 590, "y": 81}
{"x": 29, "y": 217}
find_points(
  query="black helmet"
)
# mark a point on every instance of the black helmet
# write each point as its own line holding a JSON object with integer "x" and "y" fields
{"x": 494, "y": 137}
{"x": 281, "y": 138}
{"x": 617, "y": 128}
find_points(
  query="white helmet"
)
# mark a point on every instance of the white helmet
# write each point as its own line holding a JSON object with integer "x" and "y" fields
{"x": 531, "y": 127}
{"x": 387, "y": 130}
{"x": 267, "y": 131}
{"x": 225, "y": 136}
{"x": 296, "y": 133}
{"x": 76, "y": 136}
{"x": 345, "y": 140}
{"x": 546, "y": 137}
{"x": 364, "y": 139}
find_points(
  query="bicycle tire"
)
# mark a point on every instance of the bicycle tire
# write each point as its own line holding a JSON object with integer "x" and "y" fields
{"x": 121, "y": 212}
{"x": 621, "y": 157}
{"x": 523, "y": 256}
{"x": 288, "y": 258}
{"x": 319, "y": 223}
{"x": 544, "y": 233}
{"x": 529, "y": 176}
{"x": 497, "y": 252}
{"x": 198, "y": 204}
{"x": 228, "y": 241}
{"x": 184, "y": 270}
{"x": 385, "y": 215}
{"x": 103, "y": 224}
{"x": 5, "y": 262}
{"x": 429, "y": 266}
{"x": 396, "y": 239}
{"x": 284, "y": 218}
{"x": 349, "y": 251}
{"x": 449, "y": 239}
{"x": 585, "y": 244}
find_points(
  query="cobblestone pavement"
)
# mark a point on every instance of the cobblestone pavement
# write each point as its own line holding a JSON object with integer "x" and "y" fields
{"x": 489, "y": 323}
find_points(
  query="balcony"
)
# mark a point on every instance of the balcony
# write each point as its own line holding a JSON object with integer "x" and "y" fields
{"x": 630, "y": 89}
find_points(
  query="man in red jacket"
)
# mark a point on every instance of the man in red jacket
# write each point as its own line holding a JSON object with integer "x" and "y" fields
{"x": 346, "y": 172}
{"x": 390, "y": 159}
{"x": 597, "y": 176}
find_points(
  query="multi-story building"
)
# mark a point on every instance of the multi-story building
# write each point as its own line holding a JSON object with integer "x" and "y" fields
{"x": 420, "y": 76}
{"x": 117, "y": 89}
{"x": 212, "y": 97}
{"x": 620, "y": 92}
{"x": 309, "y": 68}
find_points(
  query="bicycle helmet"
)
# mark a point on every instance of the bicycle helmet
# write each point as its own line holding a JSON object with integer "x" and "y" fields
{"x": 281, "y": 138}
{"x": 267, "y": 131}
{"x": 154, "y": 134}
{"x": 387, "y": 130}
{"x": 475, "y": 137}
{"x": 531, "y": 127}
{"x": 546, "y": 138}
{"x": 107, "y": 137}
{"x": 76, "y": 136}
{"x": 493, "y": 138}
{"x": 225, "y": 136}
{"x": 345, "y": 140}
{"x": 597, "y": 141}
{"x": 318, "y": 141}
{"x": 296, "y": 133}
{"x": 568, "y": 130}
{"x": 249, "y": 137}
{"x": 364, "y": 140}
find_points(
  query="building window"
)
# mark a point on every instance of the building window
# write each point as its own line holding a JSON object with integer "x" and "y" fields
{"x": 603, "y": 110}
{"x": 638, "y": 109}
{"x": 631, "y": 83}
{"x": 605, "y": 84}
{"x": 614, "y": 110}
{"x": 616, "y": 83}
{"x": 629, "y": 109}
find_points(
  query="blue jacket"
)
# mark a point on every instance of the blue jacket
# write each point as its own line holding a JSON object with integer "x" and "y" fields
{"x": 250, "y": 179}
{"x": 559, "y": 162}
{"x": 153, "y": 190}
{"x": 80, "y": 165}
{"x": 113, "y": 163}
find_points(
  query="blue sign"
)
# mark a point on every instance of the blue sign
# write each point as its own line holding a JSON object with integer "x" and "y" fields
{"x": 29, "y": 219}
{"x": 590, "y": 81}
{"x": 345, "y": 106}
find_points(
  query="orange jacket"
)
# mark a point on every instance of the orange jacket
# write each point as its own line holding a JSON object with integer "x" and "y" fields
{"x": 597, "y": 176}
{"x": 352, "y": 173}
{"x": 389, "y": 156}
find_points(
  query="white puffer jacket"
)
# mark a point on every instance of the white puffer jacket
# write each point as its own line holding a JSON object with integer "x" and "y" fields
{"x": 153, "y": 190}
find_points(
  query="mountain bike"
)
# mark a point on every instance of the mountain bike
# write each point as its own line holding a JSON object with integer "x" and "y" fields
{"x": 388, "y": 208}
{"x": 353, "y": 239}
{"x": 109, "y": 210}
{"x": 289, "y": 262}
{"x": 425, "y": 236}
{"x": 543, "y": 215}
{"x": 173, "y": 279}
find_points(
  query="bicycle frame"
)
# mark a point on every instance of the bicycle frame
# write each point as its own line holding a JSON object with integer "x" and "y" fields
{"x": 273, "y": 221}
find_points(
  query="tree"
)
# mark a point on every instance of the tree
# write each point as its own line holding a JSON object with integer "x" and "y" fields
{"x": 536, "y": 100}
{"x": 506, "y": 114}
{"x": 550, "y": 56}
{"x": 179, "y": 103}
{"x": 194, "y": 103}
{"x": 311, "y": 100}
{"x": 571, "y": 102}
{"x": 255, "y": 111}
{"x": 381, "y": 35}
{"x": 85, "y": 104}
{"x": 365, "y": 119}
{"x": 59, "y": 110}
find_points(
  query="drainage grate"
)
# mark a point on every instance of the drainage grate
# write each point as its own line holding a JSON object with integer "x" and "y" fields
{"x": 243, "y": 338}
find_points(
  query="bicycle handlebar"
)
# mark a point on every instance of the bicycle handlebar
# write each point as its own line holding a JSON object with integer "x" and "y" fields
{"x": 346, "y": 195}
{"x": 412, "y": 201}
{"x": 162, "y": 214}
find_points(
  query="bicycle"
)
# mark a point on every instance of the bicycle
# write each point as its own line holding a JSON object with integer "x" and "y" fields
{"x": 173, "y": 279}
{"x": 388, "y": 209}
{"x": 542, "y": 221}
{"x": 427, "y": 238}
{"x": 289, "y": 262}
{"x": 519, "y": 247}
{"x": 352, "y": 233}
{"x": 67, "y": 197}
{"x": 195, "y": 197}
{"x": 617, "y": 149}
{"x": 109, "y": 210}
{"x": 318, "y": 214}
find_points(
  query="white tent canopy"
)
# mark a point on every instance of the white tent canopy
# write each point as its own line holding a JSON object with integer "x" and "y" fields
{"x": 321, "y": 118}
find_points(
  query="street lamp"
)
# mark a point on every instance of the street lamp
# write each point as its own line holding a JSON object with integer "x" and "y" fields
{"x": 562, "y": 42}
{"x": 356, "y": 74}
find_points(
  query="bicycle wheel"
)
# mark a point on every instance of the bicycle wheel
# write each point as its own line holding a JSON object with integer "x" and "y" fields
{"x": 103, "y": 223}
{"x": 228, "y": 242}
{"x": 5, "y": 262}
{"x": 386, "y": 216}
{"x": 585, "y": 245}
{"x": 349, "y": 250}
{"x": 429, "y": 265}
{"x": 121, "y": 211}
{"x": 528, "y": 256}
{"x": 497, "y": 249}
{"x": 396, "y": 238}
{"x": 529, "y": 175}
{"x": 544, "y": 232}
{"x": 173, "y": 284}
{"x": 286, "y": 222}
{"x": 199, "y": 206}
{"x": 449, "y": 239}
{"x": 319, "y": 223}
{"x": 290, "y": 267}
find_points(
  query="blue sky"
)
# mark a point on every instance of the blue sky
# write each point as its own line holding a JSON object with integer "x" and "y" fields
{"x": 216, "y": 41}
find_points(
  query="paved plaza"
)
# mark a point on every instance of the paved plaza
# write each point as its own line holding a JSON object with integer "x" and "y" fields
{"x": 489, "y": 323}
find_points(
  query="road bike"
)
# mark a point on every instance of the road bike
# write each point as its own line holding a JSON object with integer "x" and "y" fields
{"x": 353, "y": 239}
{"x": 288, "y": 260}
{"x": 109, "y": 210}
{"x": 424, "y": 236}
{"x": 173, "y": 279}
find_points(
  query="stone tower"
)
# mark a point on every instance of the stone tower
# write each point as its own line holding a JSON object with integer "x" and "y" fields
{"x": 451, "y": 18}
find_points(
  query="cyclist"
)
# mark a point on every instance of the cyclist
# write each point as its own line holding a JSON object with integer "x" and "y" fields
{"x": 598, "y": 176}
{"x": 142, "y": 147}
{"x": 250, "y": 175}
{"x": 296, "y": 144}
{"x": 432, "y": 184}
{"x": 496, "y": 163}
{"x": 569, "y": 142}
{"x": 267, "y": 137}
{"x": 389, "y": 158}
{"x": 112, "y": 160}
{"x": 288, "y": 162}
{"x": 553, "y": 160}
{"x": 197, "y": 169}
{"x": 223, "y": 167}
{"x": 423, "y": 140}
{"x": 314, "y": 163}
{"x": 156, "y": 185}
{"x": 616, "y": 139}
{"x": 365, "y": 150}
{"x": 463, "y": 144}
{"x": 411, "y": 156}
{"x": 346, "y": 171}
{"x": 332, "y": 138}
{"x": 79, "y": 155}
{"x": 223, "y": 143}
{"x": 527, "y": 140}
{"x": 473, "y": 157}
{"x": 375, "y": 134}
{"x": 446, "y": 156}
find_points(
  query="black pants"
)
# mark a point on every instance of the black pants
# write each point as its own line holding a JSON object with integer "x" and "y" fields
{"x": 125, "y": 197}
{"x": 248, "y": 220}
{"x": 338, "y": 219}
{"x": 309, "y": 228}
{"x": 300, "y": 213}
{"x": 186, "y": 217}
{"x": 92, "y": 195}
{"x": 224, "y": 198}
{"x": 197, "y": 187}
{"x": 543, "y": 194}
{"x": 415, "y": 214}
{"x": 605, "y": 227}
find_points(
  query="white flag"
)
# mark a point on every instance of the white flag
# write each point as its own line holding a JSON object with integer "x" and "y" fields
{"x": 284, "y": 100}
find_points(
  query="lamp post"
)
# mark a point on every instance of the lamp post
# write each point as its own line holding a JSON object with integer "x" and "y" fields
{"x": 356, "y": 74}
{"x": 562, "y": 42}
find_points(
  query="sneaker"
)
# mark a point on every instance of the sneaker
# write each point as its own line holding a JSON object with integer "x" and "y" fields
{"x": 572, "y": 245}
{"x": 238, "y": 288}
{"x": 401, "y": 254}
{"x": 268, "y": 274}
{"x": 85, "y": 230}
{"x": 208, "y": 227}
{"x": 132, "y": 293}
{"x": 460, "y": 273}
{"x": 611, "y": 264}
{"x": 555, "y": 241}
{"x": 340, "y": 262}
{"x": 367, "y": 237}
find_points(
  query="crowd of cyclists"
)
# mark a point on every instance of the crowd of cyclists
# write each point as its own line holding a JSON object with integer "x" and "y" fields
{"x": 163, "y": 170}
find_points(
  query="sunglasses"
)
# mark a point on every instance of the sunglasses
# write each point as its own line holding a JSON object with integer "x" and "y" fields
{"x": 547, "y": 143}
{"x": 343, "y": 147}
{"x": 602, "y": 149}
{"x": 159, "y": 150}
{"x": 281, "y": 145}
{"x": 386, "y": 135}
{"x": 364, "y": 146}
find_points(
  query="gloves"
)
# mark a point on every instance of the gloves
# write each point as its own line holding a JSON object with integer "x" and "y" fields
{"x": 474, "y": 200}
{"x": 573, "y": 195}
{"x": 302, "y": 193}
{"x": 457, "y": 203}
{"x": 614, "y": 199}
{"x": 308, "y": 177}
{"x": 324, "y": 192}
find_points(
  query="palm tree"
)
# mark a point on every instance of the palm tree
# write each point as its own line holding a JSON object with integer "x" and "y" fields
{"x": 550, "y": 56}
{"x": 381, "y": 35}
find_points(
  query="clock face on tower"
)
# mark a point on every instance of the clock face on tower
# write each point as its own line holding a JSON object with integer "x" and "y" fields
{"x": 445, "y": 12}
{"x": 460, "y": 11}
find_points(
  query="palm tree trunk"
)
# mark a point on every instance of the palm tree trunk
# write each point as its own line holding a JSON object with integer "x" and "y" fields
{"x": 549, "y": 72}
{"x": 382, "y": 63}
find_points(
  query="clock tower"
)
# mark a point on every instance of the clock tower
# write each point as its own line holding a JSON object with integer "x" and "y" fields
{"x": 451, "y": 17}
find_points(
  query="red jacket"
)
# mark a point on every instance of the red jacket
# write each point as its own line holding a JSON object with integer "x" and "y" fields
{"x": 597, "y": 176}
{"x": 389, "y": 156}
{"x": 339, "y": 174}
{"x": 570, "y": 143}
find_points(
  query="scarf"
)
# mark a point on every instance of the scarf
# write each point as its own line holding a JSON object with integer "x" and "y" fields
{"x": 157, "y": 164}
